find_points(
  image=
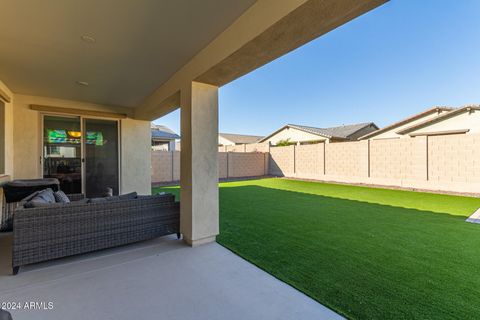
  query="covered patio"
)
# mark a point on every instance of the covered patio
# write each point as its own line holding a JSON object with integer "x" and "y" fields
{"x": 158, "y": 279}
{"x": 113, "y": 67}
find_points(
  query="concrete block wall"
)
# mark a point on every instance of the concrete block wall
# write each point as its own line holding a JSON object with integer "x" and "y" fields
{"x": 235, "y": 148}
{"x": 246, "y": 164}
{"x": 223, "y": 165}
{"x": 443, "y": 163}
{"x": 395, "y": 160}
{"x": 282, "y": 161}
{"x": 250, "y": 147}
{"x": 454, "y": 160}
{"x": 310, "y": 161}
{"x": 176, "y": 165}
{"x": 162, "y": 166}
{"x": 257, "y": 147}
{"x": 346, "y": 160}
{"x": 166, "y": 165}
{"x": 438, "y": 163}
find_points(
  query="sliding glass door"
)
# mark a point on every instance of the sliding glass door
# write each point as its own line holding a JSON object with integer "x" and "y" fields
{"x": 82, "y": 154}
{"x": 62, "y": 151}
{"x": 101, "y": 157}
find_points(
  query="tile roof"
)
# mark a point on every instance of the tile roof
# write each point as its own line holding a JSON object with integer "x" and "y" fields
{"x": 342, "y": 132}
{"x": 163, "y": 132}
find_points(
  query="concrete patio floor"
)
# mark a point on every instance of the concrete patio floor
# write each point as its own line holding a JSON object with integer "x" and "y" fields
{"x": 158, "y": 279}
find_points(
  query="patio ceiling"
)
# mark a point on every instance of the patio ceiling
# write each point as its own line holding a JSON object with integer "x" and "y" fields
{"x": 138, "y": 45}
{"x": 142, "y": 53}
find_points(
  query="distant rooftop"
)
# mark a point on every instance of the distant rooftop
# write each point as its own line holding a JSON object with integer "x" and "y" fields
{"x": 240, "y": 138}
{"x": 414, "y": 117}
{"x": 343, "y": 132}
{"x": 163, "y": 132}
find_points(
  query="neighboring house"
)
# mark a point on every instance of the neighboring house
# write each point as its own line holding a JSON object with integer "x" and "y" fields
{"x": 230, "y": 139}
{"x": 307, "y": 135}
{"x": 393, "y": 131}
{"x": 465, "y": 120}
{"x": 163, "y": 138}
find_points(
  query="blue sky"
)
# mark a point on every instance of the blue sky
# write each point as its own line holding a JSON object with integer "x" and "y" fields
{"x": 399, "y": 59}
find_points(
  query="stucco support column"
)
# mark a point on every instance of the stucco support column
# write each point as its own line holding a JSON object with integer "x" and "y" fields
{"x": 199, "y": 221}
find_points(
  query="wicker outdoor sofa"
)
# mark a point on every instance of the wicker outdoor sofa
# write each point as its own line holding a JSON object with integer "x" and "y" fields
{"x": 46, "y": 233}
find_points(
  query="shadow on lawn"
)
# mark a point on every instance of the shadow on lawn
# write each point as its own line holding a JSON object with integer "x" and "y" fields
{"x": 363, "y": 260}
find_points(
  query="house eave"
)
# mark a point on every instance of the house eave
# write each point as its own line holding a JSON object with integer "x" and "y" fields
{"x": 440, "y": 118}
{"x": 405, "y": 121}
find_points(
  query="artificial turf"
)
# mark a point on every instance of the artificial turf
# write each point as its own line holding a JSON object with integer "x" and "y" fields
{"x": 365, "y": 253}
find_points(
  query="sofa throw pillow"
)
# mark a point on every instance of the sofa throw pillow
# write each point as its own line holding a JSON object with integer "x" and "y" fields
{"x": 61, "y": 197}
{"x": 43, "y": 198}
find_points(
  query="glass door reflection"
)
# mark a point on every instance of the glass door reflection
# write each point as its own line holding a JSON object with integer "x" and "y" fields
{"x": 101, "y": 157}
{"x": 62, "y": 152}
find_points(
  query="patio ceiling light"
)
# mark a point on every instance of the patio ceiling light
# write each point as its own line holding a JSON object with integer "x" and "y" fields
{"x": 82, "y": 83}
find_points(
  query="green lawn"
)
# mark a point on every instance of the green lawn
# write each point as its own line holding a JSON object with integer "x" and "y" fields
{"x": 365, "y": 253}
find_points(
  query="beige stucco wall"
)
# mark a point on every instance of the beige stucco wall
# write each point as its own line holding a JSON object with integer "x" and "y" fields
{"x": 8, "y": 157}
{"x": 135, "y": 156}
{"x": 257, "y": 147}
{"x": 465, "y": 120}
{"x": 389, "y": 134}
{"x": 234, "y": 148}
{"x": 134, "y": 152}
{"x": 224, "y": 142}
{"x": 294, "y": 135}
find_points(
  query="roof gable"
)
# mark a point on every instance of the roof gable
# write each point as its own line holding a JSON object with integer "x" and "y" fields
{"x": 406, "y": 121}
{"x": 240, "y": 138}
{"x": 339, "y": 132}
{"x": 440, "y": 118}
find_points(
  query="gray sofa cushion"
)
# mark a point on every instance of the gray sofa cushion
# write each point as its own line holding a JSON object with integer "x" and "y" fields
{"x": 82, "y": 201}
{"x": 97, "y": 200}
{"x": 131, "y": 195}
{"x": 128, "y": 196}
{"x": 43, "y": 198}
{"x": 61, "y": 197}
